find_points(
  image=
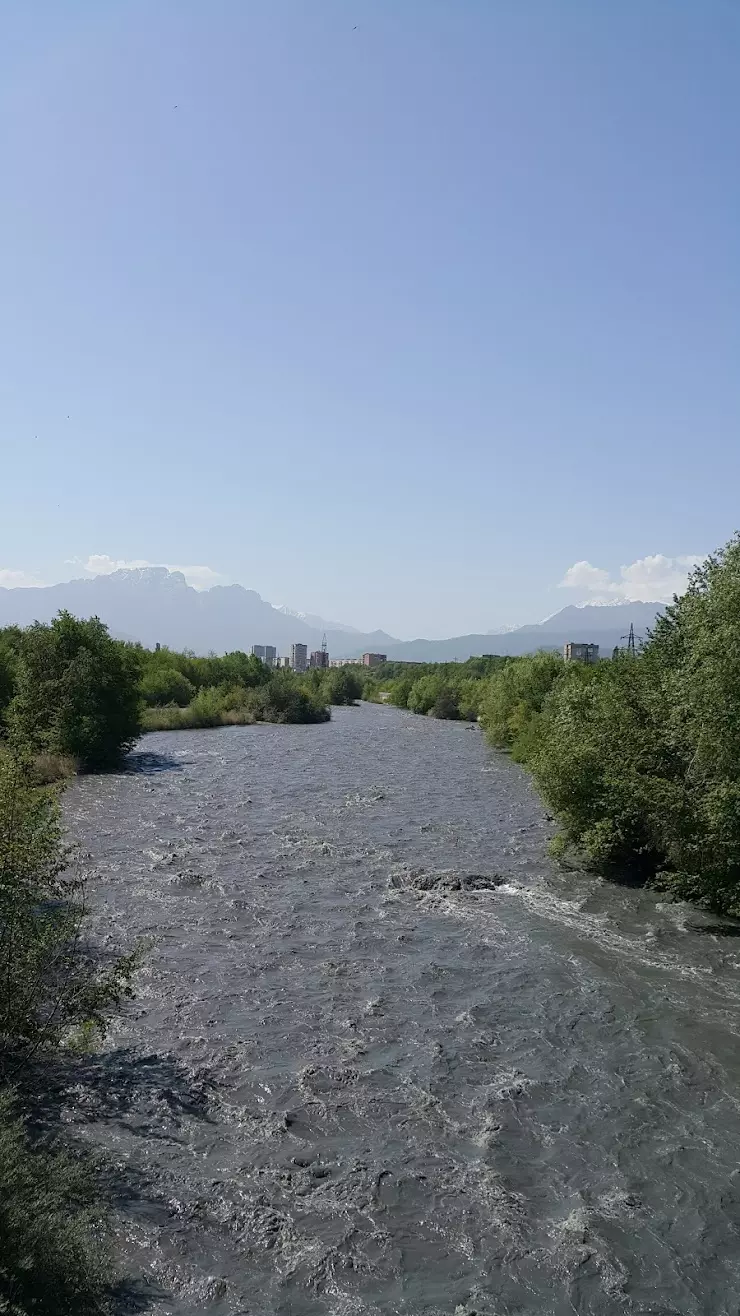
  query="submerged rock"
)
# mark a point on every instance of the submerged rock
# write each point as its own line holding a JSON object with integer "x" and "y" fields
{"x": 445, "y": 881}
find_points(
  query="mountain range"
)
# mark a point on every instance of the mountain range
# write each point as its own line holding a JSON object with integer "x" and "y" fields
{"x": 154, "y": 605}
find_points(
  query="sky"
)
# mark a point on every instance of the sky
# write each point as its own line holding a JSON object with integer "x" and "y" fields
{"x": 415, "y": 315}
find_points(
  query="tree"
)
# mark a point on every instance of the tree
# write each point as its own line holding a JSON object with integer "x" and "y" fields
{"x": 514, "y": 697}
{"x": 400, "y": 689}
{"x": 424, "y": 692}
{"x": 342, "y": 686}
{"x": 53, "y": 1254}
{"x": 469, "y": 694}
{"x": 446, "y": 705}
{"x": 640, "y": 757}
{"x": 285, "y": 700}
{"x": 246, "y": 670}
{"x": 49, "y": 983}
{"x": 77, "y": 692}
{"x": 598, "y": 758}
{"x": 54, "y": 1258}
{"x": 10, "y": 639}
{"x": 165, "y": 685}
{"x": 693, "y": 662}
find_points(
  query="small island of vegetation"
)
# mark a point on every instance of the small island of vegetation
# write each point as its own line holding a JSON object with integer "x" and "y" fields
{"x": 74, "y": 698}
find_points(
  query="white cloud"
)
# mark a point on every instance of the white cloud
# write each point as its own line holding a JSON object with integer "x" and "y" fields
{"x": 100, "y": 564}
{"x": 652, "y": 579}
{"x": 200, "y": 577}
{"x": 585, "y": 577}
{"x": 10, "y": 579}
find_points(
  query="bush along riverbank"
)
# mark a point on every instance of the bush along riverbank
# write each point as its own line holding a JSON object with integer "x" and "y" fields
{"x": 74, "y": 699}
{"x": 638, "y": 756}
{"x": 181, "y": 691}
{"x": 55, "y": 1258}
{"x": 280, "y": 699}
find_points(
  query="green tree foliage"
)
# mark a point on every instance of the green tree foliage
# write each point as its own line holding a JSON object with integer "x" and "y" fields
{"x": 232, "y": 669}
{"x": 442, "y": 689}
{"x": 512, "y": 703}
{"x": 184, "y": 692}
{"x": 283, "y": 697}
{"x": 399, "y": 690}
{"x": 165, "y": 685}
{"x": 287, "y": 700}
{"x": 640, "y": 756}
{"x": 48, "y": 984}
{"x": 600, "y": 764}
{"x": 54, "y": 1258}
{"x": 469, "y": 697}
{"x": 244, "y": 670}
{"x": 53, "y": 1231}
{"x": 10, "y": 639}
{"x": 341, "y": 685}
{"x": 424, "y": 692}
{"x": 76, "y": 692}
{"x": 446, "y": 704}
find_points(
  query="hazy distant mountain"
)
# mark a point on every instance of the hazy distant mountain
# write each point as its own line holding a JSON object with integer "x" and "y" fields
{"x": 152, "y": 604}
{"x": 600, "y": 616}
{"x": 605, "y": 625}
{"x": 315, "y": 622}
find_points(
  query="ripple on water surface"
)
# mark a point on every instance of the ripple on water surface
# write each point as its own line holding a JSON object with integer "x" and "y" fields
{"x": 382, "y": 1057}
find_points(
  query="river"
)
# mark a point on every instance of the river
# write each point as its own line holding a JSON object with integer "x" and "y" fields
{"x": 384, "y": 1057}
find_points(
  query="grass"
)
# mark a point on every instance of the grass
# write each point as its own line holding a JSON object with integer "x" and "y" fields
{"x": 51, "y": 768}
{"x": 172, "y": 718}
{"x": 282, "y": 700}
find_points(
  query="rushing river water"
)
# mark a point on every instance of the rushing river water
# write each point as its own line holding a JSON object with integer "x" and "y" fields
{"x": 363, "y": 1074}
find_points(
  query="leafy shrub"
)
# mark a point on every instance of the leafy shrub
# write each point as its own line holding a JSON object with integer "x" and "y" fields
{"x": 49, "y": 983}
{"x": 9, "y": 644}
{"x": 515, "y": 695}
{"x": 245, "y": 670}
{"x": 166, "y": 685}
{"x": 469, "y": 696}
{"x": 207, "y": 708}
{"x": 598, "y": 763}
{"x": 285, "y": 700}
{"x": 341, "y": 686}
{"x": 445, "y": 705}
{"x": 54, "y": 1258}
{"x": 400, "y": 690}
{"x": 640, "y": 756}
{"x": 232, "y": 669}
{"x": 424, "y": 692}
{"x": 282, "y": 699}
{"x": 76, "y": 692}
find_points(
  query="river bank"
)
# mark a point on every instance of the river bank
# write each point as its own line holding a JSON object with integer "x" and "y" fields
{"x": 384, "y": 1056}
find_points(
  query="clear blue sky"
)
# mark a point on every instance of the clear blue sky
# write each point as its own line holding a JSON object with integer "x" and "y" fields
{"x": 394, "y": 324}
